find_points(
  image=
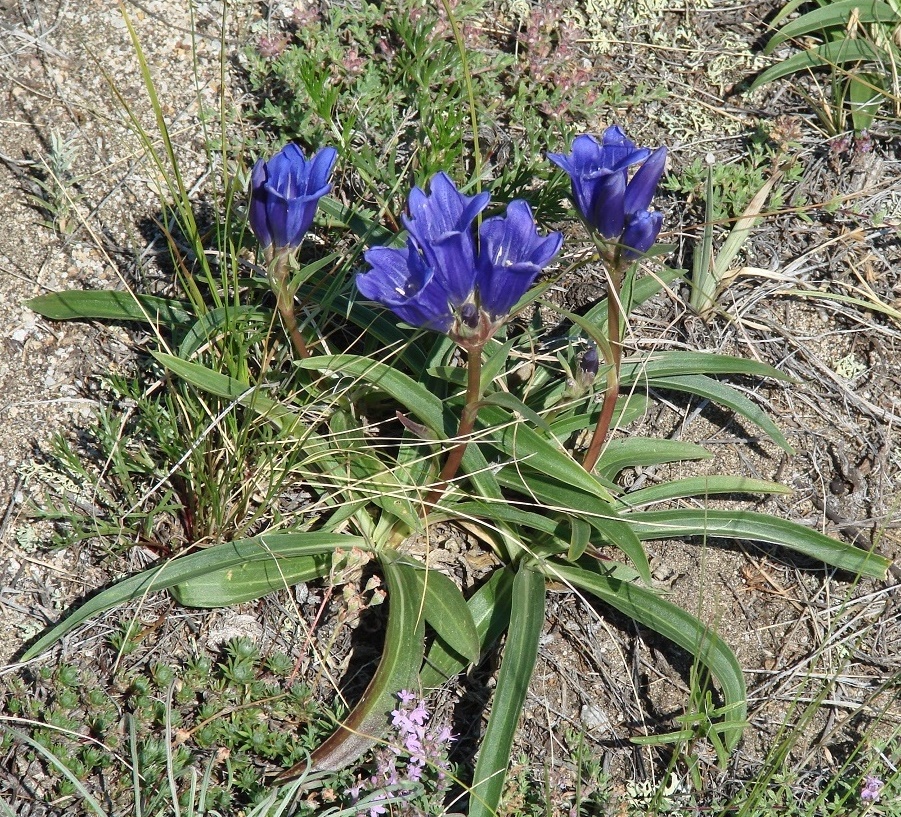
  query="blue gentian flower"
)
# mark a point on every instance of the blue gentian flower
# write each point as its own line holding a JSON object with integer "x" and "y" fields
{"x": 440, "y": 224}
{"x": 511, "y": 255}
{"x": 441, "y": 280}
{"x": 284, "y": 194}
{"x": 609, "y": 202}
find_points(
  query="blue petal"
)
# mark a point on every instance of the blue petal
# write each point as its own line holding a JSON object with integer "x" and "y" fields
{"x": 607, "y": 215}
{"x": 511, "y": 255}
{"x": 641, "y": 232}
{"x": 400, "y": 281}
{"x": 643, "y": 185}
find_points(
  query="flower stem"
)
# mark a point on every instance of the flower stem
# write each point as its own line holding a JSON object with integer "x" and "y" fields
{"x": 613, "y": 358}
{"x": 284, "y": 300}
{"x": 467, "y": 423}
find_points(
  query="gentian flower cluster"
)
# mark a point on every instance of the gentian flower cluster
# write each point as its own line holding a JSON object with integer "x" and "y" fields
{"x": 443, "y": 279}
{"x": 284, "y": 195}
{"x": 421, "y": 750}
{"x": 608, "y": 201}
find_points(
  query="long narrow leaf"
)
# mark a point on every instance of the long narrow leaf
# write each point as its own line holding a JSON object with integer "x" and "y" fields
{"x": 489, "y": 607}
{"x": 832, "y": 14}
{"x": 833, "y": 53}
{"x": 599, "y": 514}
{"x": 446, "y": 612}
{"x": 520, "y": 653}
{"x": 184, "y": 568}
{"x": 249, "y": 581}
{"x": 671, "y": 621}
{"x": 724, "y": 395}
{"x": 668, "y": 364}
{"x": 401, "y": 659}
{"x": 758, "y": 527}
{"x": 699, "y": 487}
{"x": 642, "y": 451}
{"x": 111, "y": 305}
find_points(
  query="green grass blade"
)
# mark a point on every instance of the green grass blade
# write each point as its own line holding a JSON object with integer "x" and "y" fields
{"x": 836, "y": 14}
{"x": 489, "y": 608}
{"x": 672, "y": 622}
{"x": 111, "y": 305}
{"x": 520, "y": 653}
{"x": 724, "y": 395}
{"x": 249, "y": 581}
{"x": 633, "y": 451}
{"x": 644, "y": 289}
{"x": 233, "y": 389}
{"x": 699, "y": 487}
{"x": 398, "y": 669}
{"x": 446, "y": 612}
{"x": 185, "y": 568}
{"x": 759, "y": 527}
{"x": 60, "y": 766}
{"x": 628, "y": 409}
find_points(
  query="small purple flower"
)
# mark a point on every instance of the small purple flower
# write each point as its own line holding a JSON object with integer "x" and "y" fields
{"x": 441, "y": 281}
{"x": 284, "y": 194}
{"x": 872, "y": 788}
{"x": 609, "y": 202}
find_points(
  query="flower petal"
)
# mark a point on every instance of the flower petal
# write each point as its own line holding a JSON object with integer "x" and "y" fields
{"x": 643, "y": 185}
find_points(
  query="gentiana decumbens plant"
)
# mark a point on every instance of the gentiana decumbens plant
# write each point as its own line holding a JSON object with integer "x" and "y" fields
{"x": 420, "y": 421}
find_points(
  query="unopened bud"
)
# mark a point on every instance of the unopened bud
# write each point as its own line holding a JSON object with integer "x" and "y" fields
{"x": 469, "y": 314}
{"x": 588, "y": 366}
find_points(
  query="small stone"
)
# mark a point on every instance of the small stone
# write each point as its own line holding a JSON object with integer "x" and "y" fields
{"x": 595, "y": 719}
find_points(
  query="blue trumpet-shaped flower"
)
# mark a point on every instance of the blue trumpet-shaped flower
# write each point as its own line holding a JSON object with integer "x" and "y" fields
{"x": 442, "y": 280}
{"x": 284, "y": 194}
{"x": 609, "y": 202}
{"x": 511, "y": 255}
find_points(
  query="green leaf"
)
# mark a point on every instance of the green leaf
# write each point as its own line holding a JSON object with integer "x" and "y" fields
{"x": 833, "y": 53}
{"x": 220, "y": 319}
{"x": 489, "y": 608}
{"x": 249, "y": 581}
{"x": 264, "y": 547}
{"x": 833, "y": 14}
{"x": 415, "y": 397}
{"x": 724, "y": 395}
{"x": 580, "y": 538}
{"x": 700, "y": 487}
{"x": 520, "y": 442}
{"x": 398, "y": 668}
{"x": 634, "y": 451}
{"x": 672, "y": 622}
{"x": 517, "y": 665}
{"x": 112, "y": 305}
{"x": 668, "y": 364}
{"x": 446, "y": 612}
{"x": 758, "y": 527}
{"x": 598, "y": 513}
